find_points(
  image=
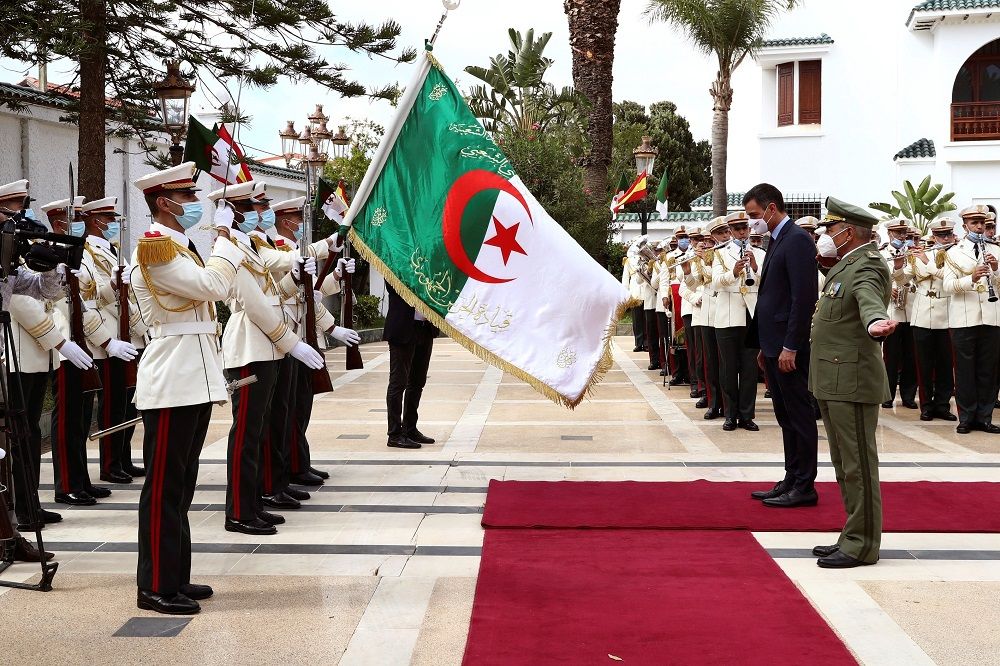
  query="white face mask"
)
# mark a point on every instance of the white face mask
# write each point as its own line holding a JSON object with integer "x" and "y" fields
{"x": 758, "y": 226}
{"x": 826, "y": 246}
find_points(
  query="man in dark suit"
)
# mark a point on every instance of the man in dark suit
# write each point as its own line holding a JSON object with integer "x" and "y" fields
{"x": 411, "y": 339}
{"x": 785, "y": 304}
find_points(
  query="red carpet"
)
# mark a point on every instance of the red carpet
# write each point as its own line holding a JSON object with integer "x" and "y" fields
{"x": 647, "y": 597}
{"x": 919, "y": 506}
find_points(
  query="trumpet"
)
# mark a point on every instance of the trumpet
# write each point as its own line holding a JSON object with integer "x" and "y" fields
{"x": 682, "y": 259}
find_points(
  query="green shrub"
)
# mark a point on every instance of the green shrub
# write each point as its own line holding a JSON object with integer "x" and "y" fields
{"x": 366, "y": 311}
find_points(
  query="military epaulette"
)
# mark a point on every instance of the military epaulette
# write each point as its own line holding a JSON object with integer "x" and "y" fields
{"x": 624, "y": 260}
{"x": 872, "y": 254}
{"x": 155, "y": 248}
{"x": 280, "y": 244}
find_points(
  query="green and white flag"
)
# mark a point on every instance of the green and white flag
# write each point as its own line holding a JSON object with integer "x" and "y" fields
{"x": 662, "y": 200}
{"x": 442, "y": 215}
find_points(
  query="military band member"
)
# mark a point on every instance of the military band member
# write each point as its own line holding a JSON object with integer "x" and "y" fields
{"x": 255, "y": 341}
{"x": 757, "y": 240}
{"x": 929, "y": 324}
{"x": 688, "y": 308}
{"x": 970, "y": 275}
{"x": 700, "y": 274}
{"x": 845, "y": 375}
{"x": 101, "y": 218}
{"x": 648, "y": 291}
{"x": 900, "y": 364}
{"x": 630, "y": 280}
{"x": 661, "y": 283}
{"x": 179, "y": 379}
{"x": 734, "y": 270}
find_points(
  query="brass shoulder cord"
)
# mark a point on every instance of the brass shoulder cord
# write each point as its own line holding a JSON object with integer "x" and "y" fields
{"x": 155, "y": 293}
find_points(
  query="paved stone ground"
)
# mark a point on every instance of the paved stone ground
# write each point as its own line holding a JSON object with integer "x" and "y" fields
{"x": 380, "y": 566}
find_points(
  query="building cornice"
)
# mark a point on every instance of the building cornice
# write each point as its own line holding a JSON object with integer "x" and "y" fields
{"x": 928, "y": 15}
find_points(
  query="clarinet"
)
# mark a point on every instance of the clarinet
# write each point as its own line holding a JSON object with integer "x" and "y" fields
{"x": 748, "y": 278}
{"x": 992, "y": 293}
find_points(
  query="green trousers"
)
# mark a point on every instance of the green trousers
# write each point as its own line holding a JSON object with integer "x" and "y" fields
{"x": 850, "y": 428}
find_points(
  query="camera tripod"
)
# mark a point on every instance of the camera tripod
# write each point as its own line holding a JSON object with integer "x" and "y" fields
{"x": 16, "y": 432}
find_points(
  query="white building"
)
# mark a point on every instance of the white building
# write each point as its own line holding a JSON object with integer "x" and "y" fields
{"x": 849, "y": 98}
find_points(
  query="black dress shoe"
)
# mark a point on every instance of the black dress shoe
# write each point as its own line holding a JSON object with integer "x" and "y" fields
{"x": 839, "y": 560}
{"x": 26, "y": 526}
{"x": 168, "y": 604}
{"x": 76, "y": 499}
{"x": 295, "y": 493}
{"x": 701, "y": 404}
{"x": 116, "y": 477}
{"x": 307, "y": 479}
{"x": 749, "y": 425}
{"x": 988, "y": 428}
{"x": 25, "y": 551}
{"x": 963, "y": 429}
{"x": 729, "y": 425}
{"x": 924, "y": 416}
{"x": 281, "y": 501}
{"x": 779, "y": 488}
{"x": 419, "y": 437}
{"x": 49, "y": 517}
{"x": 693, "y": 393}
{"x": 663, "y": 373}
{"x": 653, "y": 366}
{"x": 825, "y": 551}
{"x": 402, "y": 443}
{"x": 793, "y": 498}
{"x": 197, "y": 592}
{"x": 676, "y": 381}
{"x": 767, "y": 393}
{"x": 910, "y": 404}
{"x": 887, "y": 404}
{"x": 713, "y": 414}
{"x": 133, "y": 470}
{"x": 255, "y": 526}
{"x": 271, "y": 518}
{"x": 637, "y": 348}
{"x": 100, "y": 492}
{"x": 945, "y": 415}
{"x": 320, "y": 473}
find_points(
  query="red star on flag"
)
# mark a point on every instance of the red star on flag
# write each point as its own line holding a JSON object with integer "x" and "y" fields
{"x": 506, "y": 240}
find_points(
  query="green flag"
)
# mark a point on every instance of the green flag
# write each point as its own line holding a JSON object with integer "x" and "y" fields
{"x": 444, "y": 217}
{"x": 662, "y": 205}
{"x": 623, "y": 184}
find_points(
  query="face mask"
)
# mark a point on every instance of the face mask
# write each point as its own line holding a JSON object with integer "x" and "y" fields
{"x": 249, "y": 223}
{"x": 191, "y": 215}
{"x": 758, "y": 226}
{"x": 29, "y": 214}
{"x": 974, "y": 237}
{"x": 267, "y": 219}
{"x": 114, "y": 228}
{"x": 683, "y": 244}
{"x": 896, "y": 243}
{"x": 910, "y": 243}
{"x": 298, "y": 234}
{"x": 76, "y": 228}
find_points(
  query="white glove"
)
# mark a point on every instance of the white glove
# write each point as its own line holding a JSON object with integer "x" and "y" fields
{"x": 309, "y": 356}
{"x": 224, "y": 216}
{"x": 344, "y": 265}
{"x": 348, "y": 336}
{"x": 126, "y": 276}
{"x": 3, "y": 454}
{"x": 317, "y": 296}
{"x": 121, "y": 349}
{"x": 309, "y": 263}
{"x": 332, "y": 241}
{"x": 75, "y": 355}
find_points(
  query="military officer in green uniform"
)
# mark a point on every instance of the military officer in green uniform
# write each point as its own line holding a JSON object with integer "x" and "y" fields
{"x": 847, "y": 375}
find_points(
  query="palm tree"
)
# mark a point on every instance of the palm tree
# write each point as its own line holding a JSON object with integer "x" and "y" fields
{"x": 592, "y": 28}
{"x": 731, "y": 30}
{"x": 514, "y": 94}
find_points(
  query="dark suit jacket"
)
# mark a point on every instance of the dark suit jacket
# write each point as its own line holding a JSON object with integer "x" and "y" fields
{"x": 789, "y": 288}
{"x": 399, "y": 322}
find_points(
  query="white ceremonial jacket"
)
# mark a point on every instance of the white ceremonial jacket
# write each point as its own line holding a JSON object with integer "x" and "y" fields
{"x": 969, "y": 305}
{"x": 701, "y": 278}
{"x": 35, "y": 334}
{"x": 258, "y": 328}
{"x": 661, "y": 282}
{"x": 901, "y": 286}
{"x": 930, "y": 303}
{"x": 293, "y": 299}
{"x": 733, "y": 297}
{"x": 631, "y": 279}
{"x": 96, "y": 332}
{"x": 691, "y": 299}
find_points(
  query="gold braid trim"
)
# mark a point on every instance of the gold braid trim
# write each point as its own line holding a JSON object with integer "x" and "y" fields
{"x": 258, "y": 243}
{"x": 278, "y": 332}
{"x": 42, "y": 329}
{"x": 99, "y": 261}
{"x": 269, "y": 286}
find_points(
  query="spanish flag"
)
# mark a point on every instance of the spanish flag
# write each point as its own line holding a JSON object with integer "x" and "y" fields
{"x": 635, "y": 192}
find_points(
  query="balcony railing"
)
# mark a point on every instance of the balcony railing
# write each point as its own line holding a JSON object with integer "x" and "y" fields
{"x": 975, "y": 121}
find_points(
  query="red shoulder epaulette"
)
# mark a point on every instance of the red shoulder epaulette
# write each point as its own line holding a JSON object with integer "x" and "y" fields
{"x": 152, "y": 234}
{"x": 280, "y": 241}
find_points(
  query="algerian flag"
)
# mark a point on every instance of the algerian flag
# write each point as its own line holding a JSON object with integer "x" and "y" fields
{"x": 215, "y": 152}
{"x": 619, "y": 193}
{"x": 662, "y": 205}
{"x": 442, "y": 215}
{"x": 329, "y": 201}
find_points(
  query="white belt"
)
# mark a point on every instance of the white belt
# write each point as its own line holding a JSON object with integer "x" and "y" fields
{"x": 183, "y": 328}
{"x": 91, "y": 304}
{"x": 273, "y": 300}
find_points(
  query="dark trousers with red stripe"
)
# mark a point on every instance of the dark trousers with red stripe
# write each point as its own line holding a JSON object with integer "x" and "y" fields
{"x": 695, "y": 360}
{"x": 275, "y": 473}
{"x": 112, "y": 404}
{"x": 251, "y": 423}
{"x": 27, "y": 392}
{"x": 934, "y": 369}
{"x": 900, "y": 363}
{"x": 171, "y": 446}
{"x": 639, "y": 326}
{"x": 710, "y": 354}
{"x": 652, "y": 337}
{"x": 300, "y": 459}
{"x": 71, "y": 417}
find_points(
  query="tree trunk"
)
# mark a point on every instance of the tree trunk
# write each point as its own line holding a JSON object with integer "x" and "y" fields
{"x": 722, "y": 95}
{"x": 93, "y": 106}
{"x": 592, "y": 28}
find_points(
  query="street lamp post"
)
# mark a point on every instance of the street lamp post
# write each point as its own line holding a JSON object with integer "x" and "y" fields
{"x": 645, "y": 156}
{"x": 174, "y": 92}
{"x": 310, "y": 149}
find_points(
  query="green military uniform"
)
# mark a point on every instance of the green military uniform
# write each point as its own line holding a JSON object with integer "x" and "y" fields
{"x": 847, "y": 377}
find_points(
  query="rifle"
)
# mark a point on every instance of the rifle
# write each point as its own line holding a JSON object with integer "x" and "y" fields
{"x": 90, "y": 379}
{"x": 321, "y": 381}
{"x": 354, "y": 360}
{"x": 124, "y": 329}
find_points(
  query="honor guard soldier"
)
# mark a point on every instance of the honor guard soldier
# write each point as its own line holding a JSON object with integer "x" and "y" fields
{"x": 734, "y": 283}
{"x": 846, "y": 376}
{"x": 690, "y": 307}
{"x": 644, "y": 274}
{"x": 674, "y": 322}
{"x": 972, "y": 281}
{"x": 662, "y": 305}
{"x": 103, "y": 226}
{"x": 929, "y": 324}
{"x": 700, "y": 274}
{"x": 630, "y": 280}
{"x": 179, "y": 379}
{"x": 256, "y": 339}
{"x": 900, "y": 363}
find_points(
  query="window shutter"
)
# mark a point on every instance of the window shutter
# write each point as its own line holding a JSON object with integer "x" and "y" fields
{"x": 810, "y": 80}
{"x": 786, "y": 93}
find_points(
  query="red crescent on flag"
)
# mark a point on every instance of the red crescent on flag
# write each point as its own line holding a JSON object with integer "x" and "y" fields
{"x": 462, "y": 190}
